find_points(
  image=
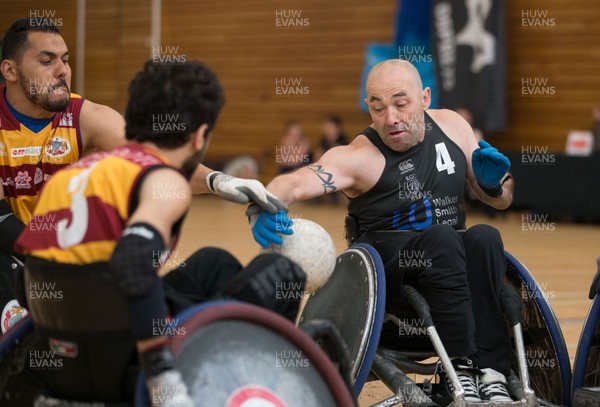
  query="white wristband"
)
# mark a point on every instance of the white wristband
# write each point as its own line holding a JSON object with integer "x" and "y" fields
{"x": 210, "y": 180}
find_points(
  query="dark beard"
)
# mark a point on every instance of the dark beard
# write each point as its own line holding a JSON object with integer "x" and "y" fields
{"x": 41, "y": 97}
{"x": 191, "y": 163}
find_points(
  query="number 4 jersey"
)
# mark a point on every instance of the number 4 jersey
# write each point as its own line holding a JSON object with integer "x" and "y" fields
{"x": 84, "y": 208}
{"x": 418, "y": 187}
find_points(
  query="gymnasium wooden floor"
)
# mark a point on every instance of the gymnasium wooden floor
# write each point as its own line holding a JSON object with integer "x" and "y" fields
{"x": 562, "y": 257}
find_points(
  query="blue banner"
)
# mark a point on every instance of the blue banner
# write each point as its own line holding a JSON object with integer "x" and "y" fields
{"x": 412, "y": 42}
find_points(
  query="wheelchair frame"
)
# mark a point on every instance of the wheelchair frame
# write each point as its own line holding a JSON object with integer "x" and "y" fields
{"x": 390, "y": 365}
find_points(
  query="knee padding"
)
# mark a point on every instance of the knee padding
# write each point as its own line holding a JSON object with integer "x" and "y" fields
{"x": 136, "y": 258}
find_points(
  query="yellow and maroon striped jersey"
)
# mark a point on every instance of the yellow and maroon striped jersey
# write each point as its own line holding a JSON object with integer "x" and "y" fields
{"x": 84, "y": 208}
{"x": 28, "y": 159}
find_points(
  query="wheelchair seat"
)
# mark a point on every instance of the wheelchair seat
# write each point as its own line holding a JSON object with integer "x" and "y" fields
{"x": 17, "y": 389}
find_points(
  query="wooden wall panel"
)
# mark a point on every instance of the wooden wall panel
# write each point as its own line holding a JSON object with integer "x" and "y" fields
{"x": 62, "y": 13}
{"x": 566, "y": 54}
{"x": 102, "y": 53}
{"x": 243, "y": 43}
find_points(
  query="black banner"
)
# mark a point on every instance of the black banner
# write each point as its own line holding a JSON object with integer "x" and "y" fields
{"x": 469, "y": 46}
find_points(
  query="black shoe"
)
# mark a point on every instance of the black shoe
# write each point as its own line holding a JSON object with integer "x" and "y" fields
{"x": 492, "y": 386}
{"x": 467, "y": 376}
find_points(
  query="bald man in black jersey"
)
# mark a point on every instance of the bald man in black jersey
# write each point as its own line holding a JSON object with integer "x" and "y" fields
{"x": 407, "y": 172}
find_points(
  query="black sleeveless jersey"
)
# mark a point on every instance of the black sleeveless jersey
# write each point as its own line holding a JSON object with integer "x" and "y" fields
{"x": 418, "y": 188}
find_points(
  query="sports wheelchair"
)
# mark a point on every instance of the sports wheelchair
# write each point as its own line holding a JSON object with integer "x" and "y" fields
{"x": 229, "y": 353}
{"x": 541, "y": 371}
{"x": 586, "y": 370}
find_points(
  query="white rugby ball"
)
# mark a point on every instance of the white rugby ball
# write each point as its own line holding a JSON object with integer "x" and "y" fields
{"x": 312, "y": 248}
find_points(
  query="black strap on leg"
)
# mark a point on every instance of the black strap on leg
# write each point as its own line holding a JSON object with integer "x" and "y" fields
{"x": 10, "y": 228}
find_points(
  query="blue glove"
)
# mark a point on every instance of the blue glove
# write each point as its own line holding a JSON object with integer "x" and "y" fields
{"x": 267, "y": 227}
{"x": 489, "y": 165}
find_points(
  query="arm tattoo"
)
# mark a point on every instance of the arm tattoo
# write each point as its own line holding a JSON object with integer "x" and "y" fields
{"x": 325, "y": 177}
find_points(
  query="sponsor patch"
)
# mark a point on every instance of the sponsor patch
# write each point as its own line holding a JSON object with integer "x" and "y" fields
{"x": 11, "y": 314}
{"x": 25, "y": 151}
{"x": 57, "y": 147}
{"x": 406, "y": 166}
{"x": 23, "y": 180}
{"x": 60, "y": 347}
{"x": 66, "y": 119}
{"x": 39, "y": 176}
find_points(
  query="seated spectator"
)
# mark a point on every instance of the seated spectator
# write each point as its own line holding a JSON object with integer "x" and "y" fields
{"x": 294, "y": 150}
{"x": 333, "y": 136}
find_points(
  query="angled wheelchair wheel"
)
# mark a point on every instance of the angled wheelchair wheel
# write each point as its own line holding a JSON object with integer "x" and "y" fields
{"x": 546, "y": 352}
{"x": 14, "y": 336}
{"x": 586, "y": 370}
{"x": 354, "y": 301}
{"x": 233, "y": 354}
{"x": 14, "y": 350}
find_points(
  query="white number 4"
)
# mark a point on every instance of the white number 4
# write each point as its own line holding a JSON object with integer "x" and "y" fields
{"x": 442, "y": 159}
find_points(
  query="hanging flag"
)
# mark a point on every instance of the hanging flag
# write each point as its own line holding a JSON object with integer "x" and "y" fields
{"x": 412, "y": 42}
{"x": 469, "y": 51}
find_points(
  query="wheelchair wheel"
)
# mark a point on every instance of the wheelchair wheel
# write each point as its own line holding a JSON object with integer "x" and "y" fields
{"x": 233, "y": 354}
{"x": 16, "y": 386}
{"x": 546, "y": 352}
{"x": 354, "y": 301}
{"x": 586, "y": 370}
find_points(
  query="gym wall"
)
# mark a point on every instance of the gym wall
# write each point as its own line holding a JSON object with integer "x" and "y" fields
{"x": 302, "y": 60}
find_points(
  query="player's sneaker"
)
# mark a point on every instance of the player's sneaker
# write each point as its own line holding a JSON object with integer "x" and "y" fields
{"x": 492, "y": 386}
{"x": 467, "y": 376}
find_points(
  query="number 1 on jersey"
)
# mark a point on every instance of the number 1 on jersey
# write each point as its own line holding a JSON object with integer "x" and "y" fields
{"x": 442, "y": 158}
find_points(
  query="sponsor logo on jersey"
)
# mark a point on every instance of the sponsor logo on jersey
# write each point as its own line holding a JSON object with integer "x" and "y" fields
{"x": 57, "y": 147}
{"x": 11, "y": 314}
{"x": 413, "y": 187}
{"x": 66, "y": 119}
{"x": 406, "y": 166}
{"x": 63, "y": 348}
{"x": 25, "y": 151}
{"x": 39, "y": 176}
{"x": 23, "y": 180}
